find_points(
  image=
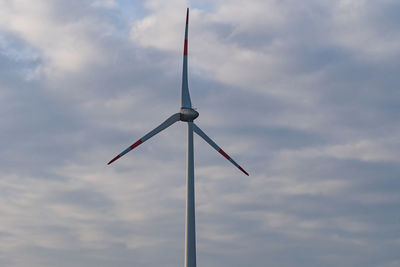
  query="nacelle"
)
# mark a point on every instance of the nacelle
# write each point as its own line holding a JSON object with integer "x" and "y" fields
{"x": 188, "y": 114}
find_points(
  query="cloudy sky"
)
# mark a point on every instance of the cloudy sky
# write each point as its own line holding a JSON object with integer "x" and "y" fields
{"x": 303, "y": 94}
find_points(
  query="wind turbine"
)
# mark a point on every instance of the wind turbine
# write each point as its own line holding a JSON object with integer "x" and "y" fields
{"x": 186, "y": 114}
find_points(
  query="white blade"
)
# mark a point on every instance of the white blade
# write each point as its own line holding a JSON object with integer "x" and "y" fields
{"x": 185, "y": 101}
{"x": 216, "y": 147}
{"x": 171, "y": 120}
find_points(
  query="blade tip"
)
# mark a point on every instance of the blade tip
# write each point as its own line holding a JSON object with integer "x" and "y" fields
{"x": 240, "y": 168}
{"x": 114, "y": 159}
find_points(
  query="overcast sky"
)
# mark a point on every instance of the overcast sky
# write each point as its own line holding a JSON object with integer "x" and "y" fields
{"x": 303, "y": 94}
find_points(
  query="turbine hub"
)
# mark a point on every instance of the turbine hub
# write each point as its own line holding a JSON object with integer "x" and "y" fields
{"x": 188, "y": 114}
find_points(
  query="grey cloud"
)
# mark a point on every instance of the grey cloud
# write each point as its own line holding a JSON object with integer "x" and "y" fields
{"x": 313, "y": 119}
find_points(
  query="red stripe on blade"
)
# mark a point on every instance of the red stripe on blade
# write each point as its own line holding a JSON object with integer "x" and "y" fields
{"x": 240, "y": 168}
{"x": 224, "y": 154}
{"x": 138, "y": 142}
{"x": 187, "y": 16}
{"x": 185, "y": 48}
{"x": 114, "y": 159}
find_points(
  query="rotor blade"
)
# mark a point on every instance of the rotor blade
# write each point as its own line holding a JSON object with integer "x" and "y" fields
{"x": 216, "y": 147}
{"x": 171, "y": 120}
{"x": 185, "y": 101}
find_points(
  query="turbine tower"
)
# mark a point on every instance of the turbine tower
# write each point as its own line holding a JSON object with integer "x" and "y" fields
{"x": 185, "y": 114}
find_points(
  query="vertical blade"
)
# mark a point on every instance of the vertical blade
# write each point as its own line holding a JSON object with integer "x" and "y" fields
{"x": 185, "y": 101}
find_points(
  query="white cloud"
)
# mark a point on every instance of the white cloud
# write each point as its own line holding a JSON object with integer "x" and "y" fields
{"x": 65, "y": 44}
{"x": 383, "y": 150}
{"x": 356, "y": 29}
{"x": 104, "y": 4}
